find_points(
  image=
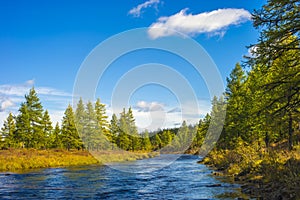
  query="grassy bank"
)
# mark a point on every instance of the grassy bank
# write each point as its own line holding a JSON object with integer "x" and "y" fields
{"x": 272, "y": 173}
{"x": 23, "y": 159}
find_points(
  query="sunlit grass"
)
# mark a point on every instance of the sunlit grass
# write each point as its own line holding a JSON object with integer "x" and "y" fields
{"x": 119, "y": 156}
{"x": 23, "y": 159}
{"x": 274, "y": 169}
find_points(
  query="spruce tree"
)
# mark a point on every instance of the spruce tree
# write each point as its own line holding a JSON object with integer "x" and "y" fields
{"x": 123, "y": 140}
{"x": 156, "y": 143}
{"x": 277, "y": 54}
{"x": 35, "y": 112}
{"x": 24, "y": 133}
{"x": 80, "y": 118}
{"x": 134, "y": 135}
{"x": 145, "y": 142}
{"x": 56, "y": 137}
{"x": 93, "y": 133}
{"x": 114, "y": 129}
{"x": 69, "y": 135}
{"x": 103, "y": 125}
{"x": 47, "y": 130}
{"x": 184, "y": 137}
{"x": 166, "y": 137}
{"x": 8, "y": 132}
{"x": 101, "y": 115}
{"x": 236, "y": 103}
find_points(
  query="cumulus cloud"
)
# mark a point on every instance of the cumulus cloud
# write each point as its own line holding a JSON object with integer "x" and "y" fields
{"x": 155, "y": 115}
{"x": 143, "y": 106}
{"x": 214, "y": 23}
{"x": 136, "y": 11}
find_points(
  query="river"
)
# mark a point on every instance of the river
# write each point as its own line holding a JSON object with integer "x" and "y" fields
{"x": 154, "y": 178}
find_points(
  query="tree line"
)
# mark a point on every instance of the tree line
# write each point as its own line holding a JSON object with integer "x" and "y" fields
{"x": 88, "y": 128}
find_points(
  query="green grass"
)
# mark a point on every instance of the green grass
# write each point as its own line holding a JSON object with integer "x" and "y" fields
{"x": 23, "y": 159}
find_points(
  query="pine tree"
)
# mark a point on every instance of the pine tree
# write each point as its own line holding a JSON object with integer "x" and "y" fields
{"x": 156, "y": 142}
{"x": 24, "y": 134}
{"x": 94, "y": 133}
{"x": 69, "y": 135}
{"x": 166, "y": 137}
{"x": 47, "y": 130}
{"x": 277, "y": 55}
{"x": 114, "y": 130}
{"x": 35, "y": 112}
{"x": 146, "y": 144}
{"x": 235, "y": 96}
{"x": 175, "y": 145}
{"x": 123, "y": 140}
{"x": 200, "y": 134}
{"x": 80, "y": 118}
{"x": 184, "y": 137}
{"x": 134, "y": 136}
{"x": 8, "y": 132}
{"x": 277, "y": 21}
{"x": 56, "y": 137}
{"x": 101, "y": 115}
{"x": 107, "y": 137}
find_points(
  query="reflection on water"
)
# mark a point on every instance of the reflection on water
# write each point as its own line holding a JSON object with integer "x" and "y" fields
{"x": 182, "y": 179}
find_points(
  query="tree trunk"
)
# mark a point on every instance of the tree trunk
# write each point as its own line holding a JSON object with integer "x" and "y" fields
{"x": 267, "y": 139}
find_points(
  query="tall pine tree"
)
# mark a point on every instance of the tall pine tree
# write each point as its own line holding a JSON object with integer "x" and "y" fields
{"x": 8, "y": 132}
{"x": 69, "y": 135}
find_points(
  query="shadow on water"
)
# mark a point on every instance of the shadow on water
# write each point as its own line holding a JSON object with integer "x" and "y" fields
{"x": 156, "y": 178}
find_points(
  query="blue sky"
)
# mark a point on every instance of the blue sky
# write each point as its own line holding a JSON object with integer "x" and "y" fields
{"x": 43, "y": 43}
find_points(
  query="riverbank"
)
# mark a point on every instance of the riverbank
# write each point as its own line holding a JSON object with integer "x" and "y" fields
{"x": 270, "y": 174}
{"x": 23, "y": 159}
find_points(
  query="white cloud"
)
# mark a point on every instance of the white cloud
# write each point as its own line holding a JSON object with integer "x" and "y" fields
{"x": 155, "y": 115}
{"x": 136, "y": 11}
{"x": 143, "y": 106}
{"x": 252, "y": 51}
{"x": 213, "y": 23}
{"x": 30, "y": 82}
{"x": 56, "y": 116}
{"x": 5, "y": 103}
{"x": 12, "y": 95}
{"x": 22, "y": 89}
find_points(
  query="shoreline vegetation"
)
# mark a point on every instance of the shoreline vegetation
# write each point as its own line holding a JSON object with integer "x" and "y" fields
{"x": 18, "y": 160}
{"x": 259, "y": 146}
{"x": 271, "y": 173}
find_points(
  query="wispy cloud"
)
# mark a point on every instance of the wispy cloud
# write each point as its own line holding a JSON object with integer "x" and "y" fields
{"x": 12, "y": 95}
{"x": 136, "y": 11}
{"x": 213, "y": 23}
{"x": 22, "y": 89}
{"x": 174, "y": 110}
{"x": 5, "y": 103}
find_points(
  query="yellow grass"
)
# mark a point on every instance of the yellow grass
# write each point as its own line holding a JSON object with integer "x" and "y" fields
{"x": 23, "y": 159}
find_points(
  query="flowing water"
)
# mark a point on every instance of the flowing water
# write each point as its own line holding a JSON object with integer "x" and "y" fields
{"x": 154, "y": 178}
